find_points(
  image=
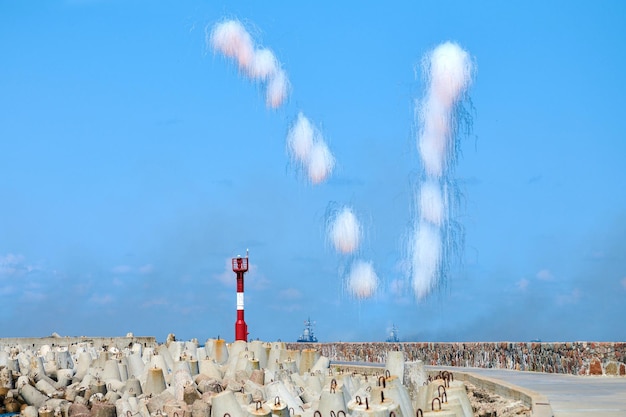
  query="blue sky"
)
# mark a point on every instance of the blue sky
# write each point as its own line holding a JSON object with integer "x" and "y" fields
{"x": 135, "y": 162}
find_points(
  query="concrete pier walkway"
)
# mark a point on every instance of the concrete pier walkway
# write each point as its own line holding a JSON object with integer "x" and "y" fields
{"x": 568, "y": 395}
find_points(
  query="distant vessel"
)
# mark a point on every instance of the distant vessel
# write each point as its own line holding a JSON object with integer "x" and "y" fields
{"x": 307, "y": 335}
{"x": 393, "y": 335}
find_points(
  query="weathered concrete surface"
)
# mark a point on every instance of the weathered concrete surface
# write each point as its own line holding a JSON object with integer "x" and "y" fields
{"x": 575, "y": 358}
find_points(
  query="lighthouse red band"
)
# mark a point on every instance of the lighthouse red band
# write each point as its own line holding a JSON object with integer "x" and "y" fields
{"x": 240, "y": 266}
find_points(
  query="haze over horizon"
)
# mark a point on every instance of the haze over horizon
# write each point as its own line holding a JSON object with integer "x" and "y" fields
{"x": 138, "y": 158}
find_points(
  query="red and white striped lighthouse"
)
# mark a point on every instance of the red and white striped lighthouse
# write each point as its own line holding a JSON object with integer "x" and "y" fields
{"x": 240, "y": 266}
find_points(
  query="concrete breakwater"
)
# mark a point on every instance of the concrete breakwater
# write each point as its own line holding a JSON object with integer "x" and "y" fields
{"x": 182, "y": 379}
{"x": 576, "y": 358}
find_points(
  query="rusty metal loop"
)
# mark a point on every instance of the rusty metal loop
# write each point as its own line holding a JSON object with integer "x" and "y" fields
{"x": 381, "y": 382}
{"x": 369, "y": 388}
{"x": 432, "y": 404}
{"x": 358, "y": 400}
{"x": 439, "y": 390}
{"x": 392, "y": 414}
{"x": 367, "y": 404}
{"x": 291, "y": 411}
{"x": 444, "y": 397}
{"x": 341, "y": 411}
{"x": 128, "y": 413}
{"x": 226, "y": 415}
{"x": 419, "y": 413}
{"x": 276, "y": 400}
{"x": 382, "y": 396}
{"x": 317, "y": 413}
{"x": 259, "y": 405}
{"x": 332, "y": 414}
{"x": 175, "y": 414}
{"x": 388, "y": 375}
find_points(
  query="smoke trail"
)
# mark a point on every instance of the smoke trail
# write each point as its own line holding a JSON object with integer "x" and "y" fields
{"x": 345, "y": 231}
{"x": 308, "y": 150}
{"x": 232, "y": 39}
{"x": 448, "y": 70}
{"x": 362, "y": 281}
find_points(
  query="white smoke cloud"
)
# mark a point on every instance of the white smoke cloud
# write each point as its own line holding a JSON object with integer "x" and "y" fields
{"x": 345, "y": 231}
{"x": 277, "y": 89}
{"x": 427, "y": 250}
{"x": 300, "y": 139}
{"x": 231, "y": 39}
{"x": 264, "y": 65}
{"x": 321, "y": 163}
{"x": 448, "y": 72}
{"x": 362, "y": 281}
{"x": 431, "y": 203}
{"x": 308, "y": 150}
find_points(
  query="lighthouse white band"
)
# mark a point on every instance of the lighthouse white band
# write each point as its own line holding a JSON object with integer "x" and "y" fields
{"x": 239, "y": 301}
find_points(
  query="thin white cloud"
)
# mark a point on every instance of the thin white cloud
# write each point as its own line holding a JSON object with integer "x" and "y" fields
{"x": 290, "y": 294}
{"x": 571, "y": 298}
{"x": 545, "y": 275}
{"x": 155, "y": 302}
{"x": 101, "y": 299}
{"x": 598, "y": 254}
{"x": 288, "y": 308}
{"x": 522, "y": 284}
{"x": 33, "y": 296}
{"x": 12, "y": 265}
{"x": 6, "y": 290}
{"x": 11, "y": 259}
{"x": 127, "y": 269}
{"x": 227, "y": 276}
{"x": 146, "y": 269}
{"x": 122, "y": 269}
